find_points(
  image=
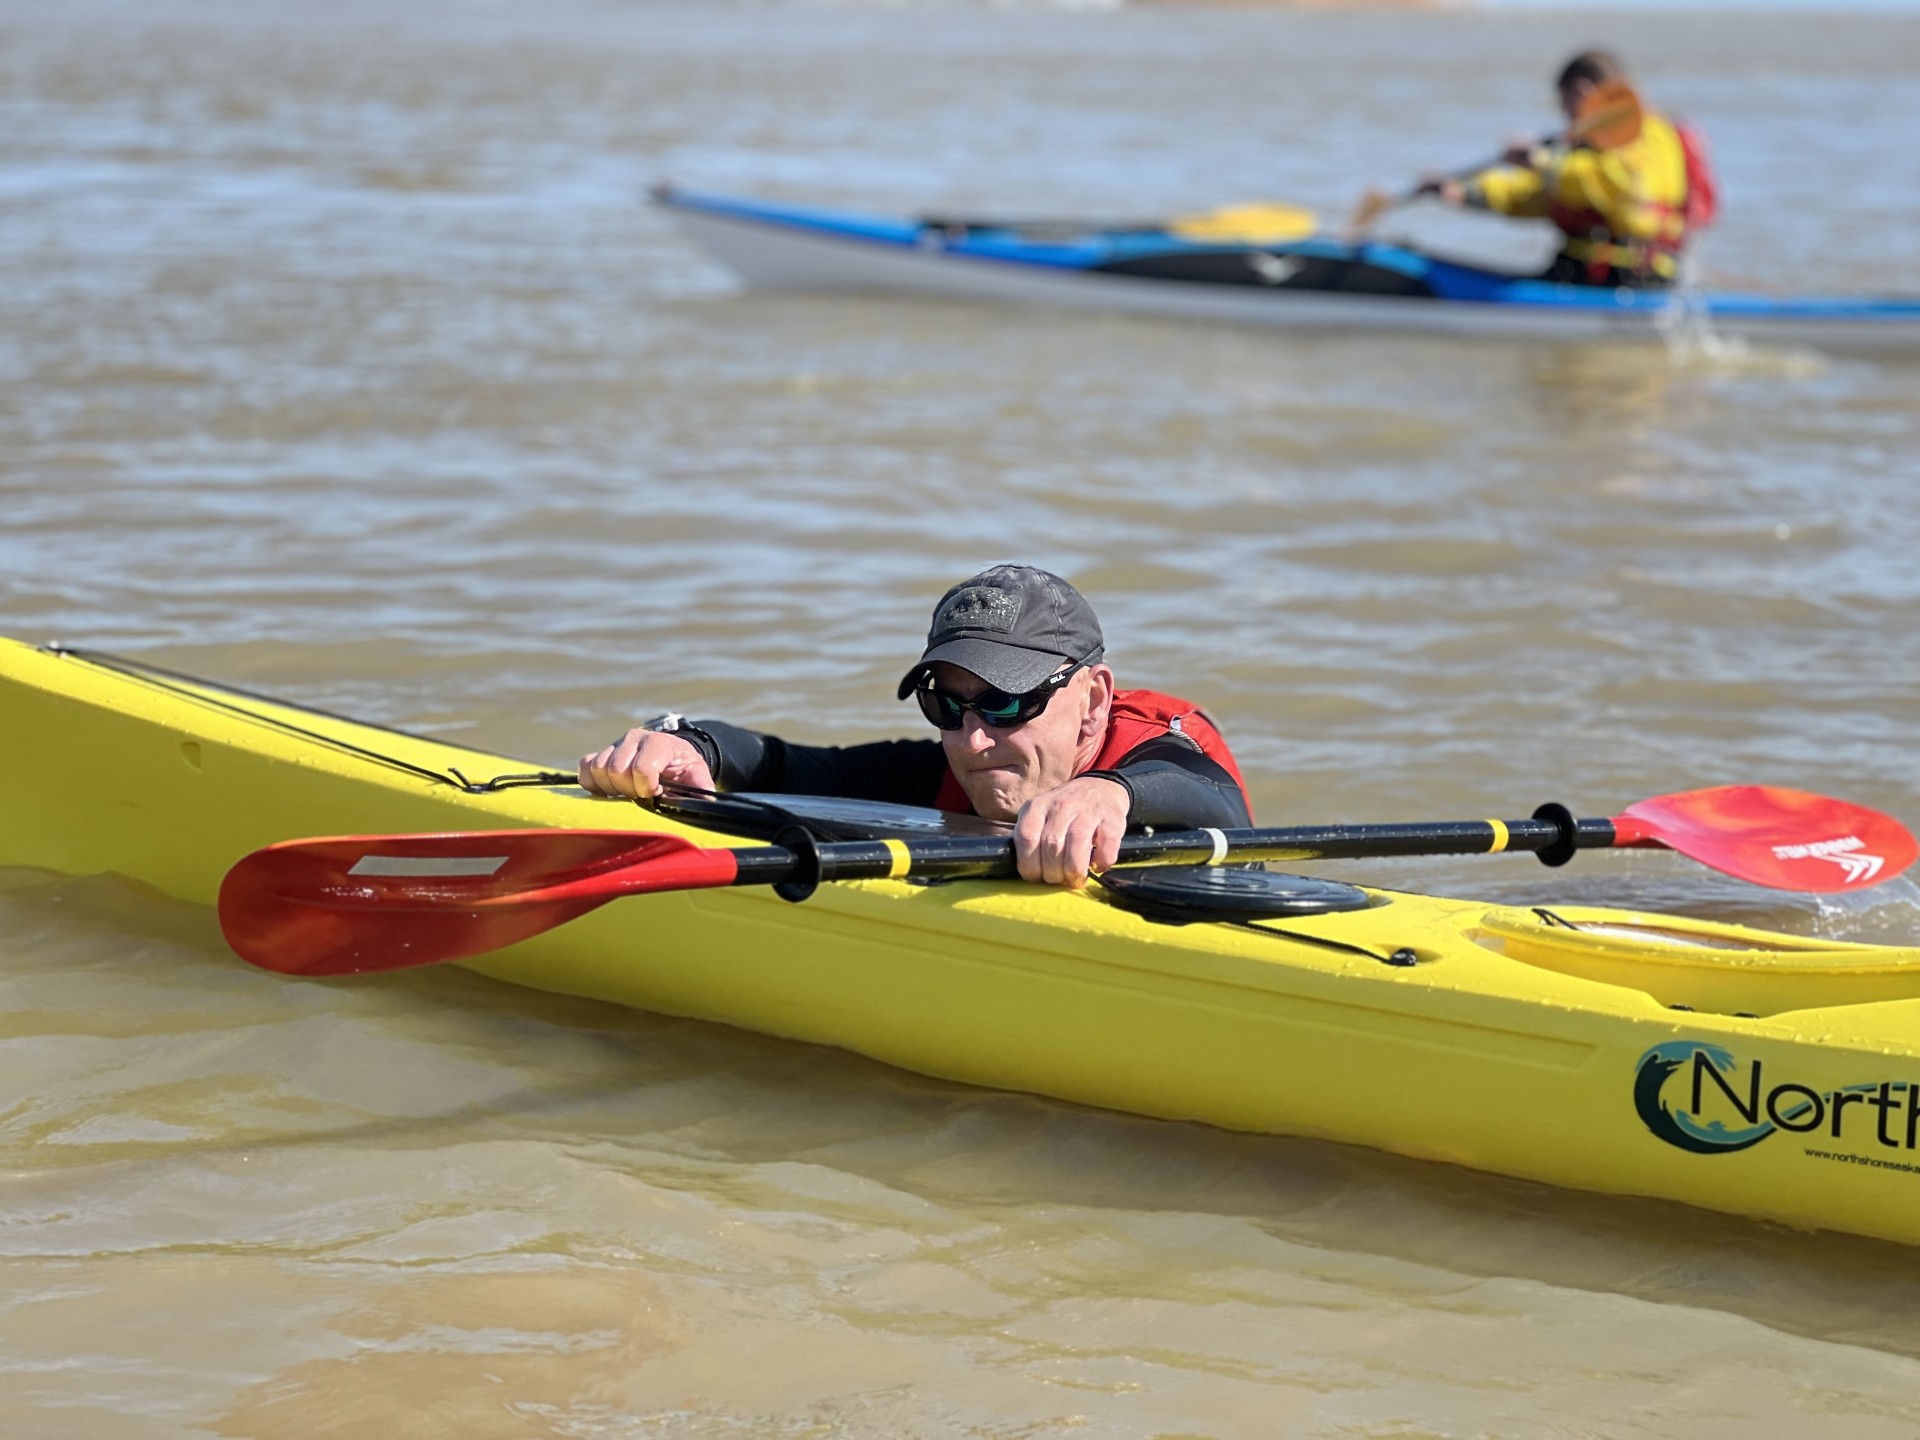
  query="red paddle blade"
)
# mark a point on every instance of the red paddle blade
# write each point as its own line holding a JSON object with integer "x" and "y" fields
{"x": 1785, "y": 839}
{"x": 353, "y": 903}
{"x": 1609, "y": 117}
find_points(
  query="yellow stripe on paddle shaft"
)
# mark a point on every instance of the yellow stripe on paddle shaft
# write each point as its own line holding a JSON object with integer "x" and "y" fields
{"x": 1257, "y": 223}
{"x": 1500, "y": 837}
{"x": 902, "y": 858}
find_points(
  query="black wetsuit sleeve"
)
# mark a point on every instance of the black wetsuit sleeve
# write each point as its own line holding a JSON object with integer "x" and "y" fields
{"x": 900, "y": 772}
{"x": 1169, "y": 779}
{"x": 1173, "y": 783}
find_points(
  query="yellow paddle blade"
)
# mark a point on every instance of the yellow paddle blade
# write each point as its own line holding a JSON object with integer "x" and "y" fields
{"x": 1609, "y": 117}
{"x": 1265, "y": 222}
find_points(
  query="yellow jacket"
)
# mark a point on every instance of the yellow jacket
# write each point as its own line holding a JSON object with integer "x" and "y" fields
{"x": 1623, "y": 207}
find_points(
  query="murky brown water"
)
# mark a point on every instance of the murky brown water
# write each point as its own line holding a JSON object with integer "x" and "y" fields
{"x": 342, "y": 360}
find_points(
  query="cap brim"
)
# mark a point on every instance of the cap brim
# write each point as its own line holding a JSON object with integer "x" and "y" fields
{"x": 1006, "y": 667}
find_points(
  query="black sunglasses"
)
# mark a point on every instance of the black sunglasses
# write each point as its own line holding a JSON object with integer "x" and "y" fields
{"x": 997, "y": 708}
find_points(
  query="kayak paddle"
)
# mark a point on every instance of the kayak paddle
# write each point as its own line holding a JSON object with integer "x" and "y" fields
{"x": 358, "y": 903}
{"x": 1609, "y": 117}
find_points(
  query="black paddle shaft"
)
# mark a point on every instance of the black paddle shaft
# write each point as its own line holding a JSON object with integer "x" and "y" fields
{"x": 795, "y": 863}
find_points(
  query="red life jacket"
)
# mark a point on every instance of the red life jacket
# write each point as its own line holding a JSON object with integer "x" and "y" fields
{"x": 1137, "y": 717}
{"x": 1703, "y": 189}
{"x": 1698, "y": 210}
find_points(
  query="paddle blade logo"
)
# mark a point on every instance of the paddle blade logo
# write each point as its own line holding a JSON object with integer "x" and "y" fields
{"x": 1849, "y": 852}
{"x": 1697, "y": 1097}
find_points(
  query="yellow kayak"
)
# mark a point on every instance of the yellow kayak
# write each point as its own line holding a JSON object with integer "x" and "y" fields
{"x": 1607, "y": 1050}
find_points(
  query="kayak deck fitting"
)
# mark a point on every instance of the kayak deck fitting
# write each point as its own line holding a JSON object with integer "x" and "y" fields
{"x": 1607, "y": 1050}
{"x": 1316, "y": 283}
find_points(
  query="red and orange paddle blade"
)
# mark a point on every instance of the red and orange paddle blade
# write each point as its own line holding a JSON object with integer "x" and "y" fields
{"x": 348, "y": 904}
{"x": 1765, "y": 835}
{"x": 1609, "y": 116}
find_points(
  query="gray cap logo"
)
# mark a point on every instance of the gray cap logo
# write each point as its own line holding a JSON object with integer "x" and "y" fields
{"x": 978, "y": 607}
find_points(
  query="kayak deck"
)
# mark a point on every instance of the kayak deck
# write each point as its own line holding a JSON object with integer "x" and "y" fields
{"x": 1317, "y": 283}
{"x": 1528, "y": 1062}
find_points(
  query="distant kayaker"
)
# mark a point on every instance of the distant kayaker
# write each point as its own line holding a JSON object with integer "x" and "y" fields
{"x": 1627, "y": 208}
{"x": 1032, "y": 730}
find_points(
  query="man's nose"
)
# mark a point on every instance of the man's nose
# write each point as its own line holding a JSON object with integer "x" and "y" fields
{"x": 979, "y": 736}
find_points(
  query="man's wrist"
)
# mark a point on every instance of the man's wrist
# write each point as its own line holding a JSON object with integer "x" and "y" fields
{"x": 1116, "y": 777}
{"x": 677, "y": 725}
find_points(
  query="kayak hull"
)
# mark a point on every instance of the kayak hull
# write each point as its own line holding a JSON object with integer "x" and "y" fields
{"x": 792, "y": 248}
{"x": 1553, "y": 1066}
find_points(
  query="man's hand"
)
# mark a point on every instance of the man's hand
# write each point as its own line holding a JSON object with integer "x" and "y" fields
{"x": 1443, "y": 188}
{"x": 641, "y": 761}
{"x": 1061, "y": 835}
{"x": 1523, "y": 151}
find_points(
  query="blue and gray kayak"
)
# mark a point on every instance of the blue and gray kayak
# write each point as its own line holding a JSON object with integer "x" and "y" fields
{"x": 1314, "y": 282}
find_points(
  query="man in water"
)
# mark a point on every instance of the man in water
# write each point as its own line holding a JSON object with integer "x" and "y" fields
{"x": 1626, "y": 211}
{"x": 1032, "y": 730}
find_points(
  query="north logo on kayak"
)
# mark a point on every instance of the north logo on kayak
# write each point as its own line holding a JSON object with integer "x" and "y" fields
{"x": 1731, "y": 1107}
{"x": 1849, "y": 852}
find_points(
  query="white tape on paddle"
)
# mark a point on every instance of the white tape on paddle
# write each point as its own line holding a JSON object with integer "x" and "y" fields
{"x": 1219, "y": 844}
{"x": 427, "y": 867}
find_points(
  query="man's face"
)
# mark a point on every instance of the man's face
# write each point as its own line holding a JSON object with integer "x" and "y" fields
{"x": 1003, "y": 769}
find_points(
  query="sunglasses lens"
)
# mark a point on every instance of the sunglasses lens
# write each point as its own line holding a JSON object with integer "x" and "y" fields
{"x": 1000, "y": 709}
{"x": 995, "y": 707}
{"x": 939, "y": 707}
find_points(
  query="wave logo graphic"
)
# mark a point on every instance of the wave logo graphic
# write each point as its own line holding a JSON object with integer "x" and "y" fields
{"x": 1680, "y": 1128}
{"x": 1883, "y": 1113}
{"x": 1849, "y": 852}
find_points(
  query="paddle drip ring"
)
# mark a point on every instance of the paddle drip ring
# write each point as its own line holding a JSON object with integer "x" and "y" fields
{"x": 806, "y": 863}
{"x": 1561, "y": 818}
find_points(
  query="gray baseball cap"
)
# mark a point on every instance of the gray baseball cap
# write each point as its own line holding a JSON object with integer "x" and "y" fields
{"x": 1012, "y": 626}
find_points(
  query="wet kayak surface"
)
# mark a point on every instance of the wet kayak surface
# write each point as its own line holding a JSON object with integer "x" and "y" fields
{"x": 344, "y": 362}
